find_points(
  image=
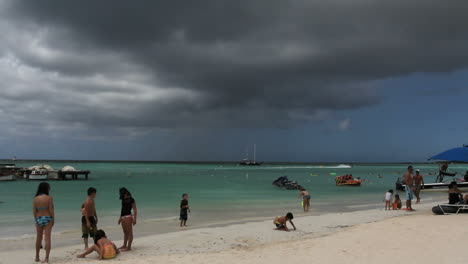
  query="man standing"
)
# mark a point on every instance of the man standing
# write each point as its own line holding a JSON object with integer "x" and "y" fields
{"x": 409, "y": 188}
{"x": 418, "y": 185}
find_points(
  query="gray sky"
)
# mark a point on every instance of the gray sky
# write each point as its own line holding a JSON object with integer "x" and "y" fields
{"x": 157, "y": 78}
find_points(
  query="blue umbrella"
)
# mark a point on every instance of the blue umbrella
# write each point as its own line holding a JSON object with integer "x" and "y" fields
{"x": 453, "y": 155}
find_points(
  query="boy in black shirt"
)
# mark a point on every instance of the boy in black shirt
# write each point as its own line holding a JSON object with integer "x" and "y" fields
{"x": 184, "y": 210}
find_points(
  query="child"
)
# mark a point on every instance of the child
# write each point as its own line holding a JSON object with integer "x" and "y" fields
{"x": 103, "y": 246}
{"x": 281, "y": 221}
{"x": 305, "y": 198}
{"x": 127, "y": 219}
{"x": 388, "y": 199}
{"x": 89, "y": 217}
{"x": 396, "y": 205}
{"x": 184, "y": 210}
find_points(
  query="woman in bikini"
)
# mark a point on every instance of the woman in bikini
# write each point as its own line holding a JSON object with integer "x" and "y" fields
{"x": 126, "y": 219}
{"x": 43, "y": 212}
{"x": 103, "y": 246}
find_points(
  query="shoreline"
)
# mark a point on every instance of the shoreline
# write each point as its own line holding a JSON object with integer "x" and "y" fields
{"x": 211, "y": 239}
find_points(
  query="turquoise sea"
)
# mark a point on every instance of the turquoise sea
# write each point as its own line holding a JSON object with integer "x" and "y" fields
{"x": 218, "y": 192}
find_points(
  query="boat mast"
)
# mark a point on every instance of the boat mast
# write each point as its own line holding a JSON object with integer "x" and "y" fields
{"x": 255, "y": 151}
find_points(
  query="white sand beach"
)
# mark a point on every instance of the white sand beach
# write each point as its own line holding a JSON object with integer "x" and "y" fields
{"x": 372, "y": 236}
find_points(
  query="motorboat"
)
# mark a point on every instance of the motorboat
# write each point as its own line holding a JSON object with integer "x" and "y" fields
{"x": 8, "y": 172}
{"x": 461, "y": 184}
{"x": 347, "y": 180}
{"x": 38, "y": 175}
{"x": 284, "y": 182}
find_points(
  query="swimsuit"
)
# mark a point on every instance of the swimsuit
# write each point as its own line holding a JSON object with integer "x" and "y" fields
{"x": 278, "y": 224}
{"x": 126, "y": 216}
{"x": 127, "y": 205}
{"x": 109, "y": 251}
{"x": 306, "y": 197}
{"x": 454, "y": 198}
{"x": 43, "y": 220}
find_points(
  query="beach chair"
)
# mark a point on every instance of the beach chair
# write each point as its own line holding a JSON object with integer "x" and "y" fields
{"x": 459, "y": 208}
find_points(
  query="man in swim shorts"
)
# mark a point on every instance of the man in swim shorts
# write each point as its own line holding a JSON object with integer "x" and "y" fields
{"x": 409, "y": 188}
{"x": 89, "y": 219}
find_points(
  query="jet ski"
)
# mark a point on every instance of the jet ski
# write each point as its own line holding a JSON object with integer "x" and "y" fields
{"x": 284, "y": 182}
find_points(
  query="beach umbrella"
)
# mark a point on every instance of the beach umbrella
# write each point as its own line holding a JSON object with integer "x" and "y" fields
{"x": 453, "y": 155}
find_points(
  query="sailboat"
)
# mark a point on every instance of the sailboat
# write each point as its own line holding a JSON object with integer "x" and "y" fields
{"x": 248, "y": 162}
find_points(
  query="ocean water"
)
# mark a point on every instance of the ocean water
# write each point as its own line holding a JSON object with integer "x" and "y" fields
{"x": 217, "y": 192}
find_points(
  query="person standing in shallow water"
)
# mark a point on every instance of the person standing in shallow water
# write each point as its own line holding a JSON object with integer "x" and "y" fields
{"x": 305, "y": 199}
{"x": 418, "y": 185}
{"x": 43, "y": 212}
{"x": 126, "y": 219}
{"x": 409, "y": 188}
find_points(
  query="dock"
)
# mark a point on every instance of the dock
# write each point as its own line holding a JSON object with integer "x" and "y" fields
{"x": 62, "y": 175}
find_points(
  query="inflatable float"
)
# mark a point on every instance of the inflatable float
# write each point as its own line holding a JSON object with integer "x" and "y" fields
{"x": 450, "y": 209}
{"x": 347, "y": 180}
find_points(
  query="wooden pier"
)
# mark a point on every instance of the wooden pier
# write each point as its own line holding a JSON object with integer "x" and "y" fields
{"x": 62, "y": 175}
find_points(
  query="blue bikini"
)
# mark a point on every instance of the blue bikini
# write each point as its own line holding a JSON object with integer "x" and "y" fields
{"x": 43, "y": 220}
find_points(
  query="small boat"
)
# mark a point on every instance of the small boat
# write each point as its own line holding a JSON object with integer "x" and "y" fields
{"x": 247, "y": 161}
{"x": 461, "y": 183}
{"x": 38, "y": 175}
{"x": 347, "y": 180}
{"x": 343, "y": 166}
{"x": 8, "y": 172}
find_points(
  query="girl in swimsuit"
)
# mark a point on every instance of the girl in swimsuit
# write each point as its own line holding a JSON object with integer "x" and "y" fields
{"x": 306, "y": 199}
{"x": 103, "y": 246}
{"x": 127, "y": 219}
{"x": 43, "y": 212}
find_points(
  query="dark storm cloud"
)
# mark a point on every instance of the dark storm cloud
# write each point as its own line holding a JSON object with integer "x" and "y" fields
{"x": 220, "y": 63}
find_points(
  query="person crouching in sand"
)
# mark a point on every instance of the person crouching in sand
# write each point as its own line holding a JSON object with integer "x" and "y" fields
{"x": 281, "y": 221}
{"x": 103, "y": 246}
